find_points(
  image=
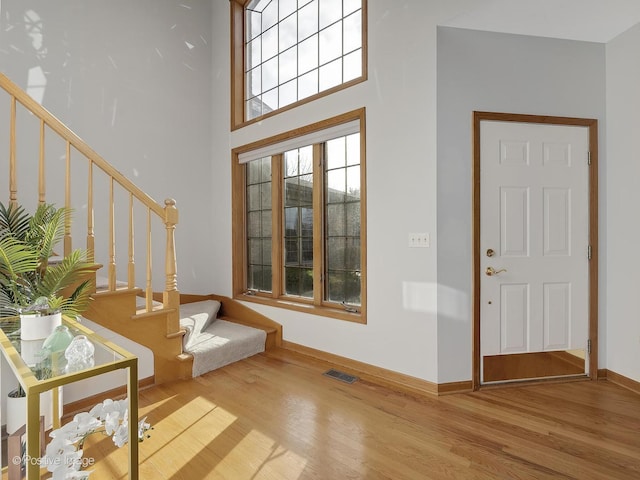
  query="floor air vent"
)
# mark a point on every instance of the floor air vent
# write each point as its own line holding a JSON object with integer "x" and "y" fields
{"x": 343, "y": 377}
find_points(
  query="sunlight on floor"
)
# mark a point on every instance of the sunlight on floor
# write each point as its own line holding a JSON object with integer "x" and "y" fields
{"x": 258, "y": 456}
{"x": 223, "y": 446}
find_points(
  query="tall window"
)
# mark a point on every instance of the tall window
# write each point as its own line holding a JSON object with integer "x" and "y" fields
{"x": 292, "y": 50}
{"x": 298, "y": 231}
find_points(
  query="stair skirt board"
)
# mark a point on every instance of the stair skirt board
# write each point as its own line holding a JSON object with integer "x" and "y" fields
{"x": 219, "y": 343}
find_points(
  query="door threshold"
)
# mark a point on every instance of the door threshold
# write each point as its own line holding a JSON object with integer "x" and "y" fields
{"x": 534, "y": 381}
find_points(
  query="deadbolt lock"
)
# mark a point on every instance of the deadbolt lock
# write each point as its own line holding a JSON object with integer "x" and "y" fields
{"x": 490, "y": 252}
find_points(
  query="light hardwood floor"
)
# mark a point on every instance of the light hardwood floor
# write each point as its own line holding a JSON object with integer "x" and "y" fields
{"x": 275, "y": 416}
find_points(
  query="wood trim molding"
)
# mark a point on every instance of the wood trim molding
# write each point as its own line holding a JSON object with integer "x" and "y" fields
{"x": 380, "y": 376}
{"x": 358, "y": 114}
{"x": 237, "y": 62}
{"x": 592, "y": 125}
{"x": 455, "y": 387}
{"x": 620, "y": 380}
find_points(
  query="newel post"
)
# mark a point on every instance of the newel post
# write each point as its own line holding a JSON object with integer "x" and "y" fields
{"x": 171, "y": 295}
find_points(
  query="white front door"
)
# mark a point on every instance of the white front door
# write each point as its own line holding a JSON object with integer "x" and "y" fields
{"x": 534, "y": 238}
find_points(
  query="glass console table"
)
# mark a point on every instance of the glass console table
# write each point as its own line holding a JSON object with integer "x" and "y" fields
{"x": 108, "y": 357}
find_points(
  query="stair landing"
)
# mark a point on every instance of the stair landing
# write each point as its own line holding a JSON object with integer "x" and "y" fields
{"x": 214, "y": 342}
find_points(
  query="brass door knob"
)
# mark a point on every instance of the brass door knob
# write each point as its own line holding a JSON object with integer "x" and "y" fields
{"x": 490, "y": 271}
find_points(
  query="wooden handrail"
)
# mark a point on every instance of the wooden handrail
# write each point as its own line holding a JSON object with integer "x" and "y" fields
{"x": 80, "y": 145}
{"x": 168, "y": 213}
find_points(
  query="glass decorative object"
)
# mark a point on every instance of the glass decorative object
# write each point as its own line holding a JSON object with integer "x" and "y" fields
{"x": 79, "y": 354}
{"x": 53, "y": 350}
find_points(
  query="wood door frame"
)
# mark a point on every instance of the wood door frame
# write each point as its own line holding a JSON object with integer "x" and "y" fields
{"x": 592, "y": 125}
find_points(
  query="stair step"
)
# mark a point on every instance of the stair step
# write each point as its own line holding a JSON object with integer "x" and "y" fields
{"x": 215, "y": 342}
{"x": 224, "y": 343}
{"x": 272, "y": 332}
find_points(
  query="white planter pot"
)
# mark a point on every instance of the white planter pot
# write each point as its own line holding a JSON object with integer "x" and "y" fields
{"x": 17, "y": 411}
{"x": 38, "y": 327}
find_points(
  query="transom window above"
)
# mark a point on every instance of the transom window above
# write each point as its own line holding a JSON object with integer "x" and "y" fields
{"x": 297, "y": 49}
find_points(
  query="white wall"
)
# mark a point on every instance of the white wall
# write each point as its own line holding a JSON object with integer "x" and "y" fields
{"x": 400, "y": 102}
{"x": 496, "y": 72}
{"x": 401, "y": 329}
{"x": 133, "y": 79}
{"x": 620, "y": 277}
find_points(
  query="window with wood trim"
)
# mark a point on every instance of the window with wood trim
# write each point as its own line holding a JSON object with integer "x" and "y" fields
{"x": 299, "y": 203}
{"x": 289, "y": 51}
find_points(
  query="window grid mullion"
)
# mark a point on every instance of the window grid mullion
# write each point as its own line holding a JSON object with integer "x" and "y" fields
{"x": 318, "y": 224}
{"x": 277, "y": 231}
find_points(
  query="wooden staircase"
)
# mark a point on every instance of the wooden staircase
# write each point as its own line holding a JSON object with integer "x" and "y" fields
{"x": 149, "y": 318}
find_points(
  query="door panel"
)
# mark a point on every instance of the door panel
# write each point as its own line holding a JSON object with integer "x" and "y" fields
{"x": 557, "y": 221}
{"x": 557, "y": 315}
{"x": 534, "y": 198}
{"x": 514, "y": 317}
{"x": 514, "y": 224}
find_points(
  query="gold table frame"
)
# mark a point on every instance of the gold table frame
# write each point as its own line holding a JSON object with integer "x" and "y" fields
{"x": 34, "y": 387}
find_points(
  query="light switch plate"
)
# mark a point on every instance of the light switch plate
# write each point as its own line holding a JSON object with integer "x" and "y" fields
{"x": 418, "y": 240}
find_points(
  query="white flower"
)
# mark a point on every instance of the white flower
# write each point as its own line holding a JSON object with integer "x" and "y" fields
{"x": 101, "y": 410}
{"x": 96, "y": 410}
{"x": 122, "y": 433}
{"x": 59, "y": 445}
{"x": 59, "y": 453}
{"x": 87, "y": 423}
{"x": 143, "y": 427}
{"x": 66, "y": 431}
{"x": 111, "y": 422}
{"x": 83, "y": 475}
{"x": 69, "y": 472}
{"x": 64, "y": 456}
{"x": 62, "y": 465}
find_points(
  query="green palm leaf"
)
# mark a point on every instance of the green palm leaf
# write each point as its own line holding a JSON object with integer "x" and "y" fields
{"x": 79, "y": 300}
{"x": 46, "y": 230}
{"x": 17, "y": 262}
{"x": 14, "y": 221}
{"x": 64, "y": 274}
{"x": 26, "y": 244}
{"x": 16, "y": 258}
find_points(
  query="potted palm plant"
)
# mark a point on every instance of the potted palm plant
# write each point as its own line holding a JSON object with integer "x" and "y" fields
{"x": 32, "y": 286}
{"x": 36, "y": 289}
